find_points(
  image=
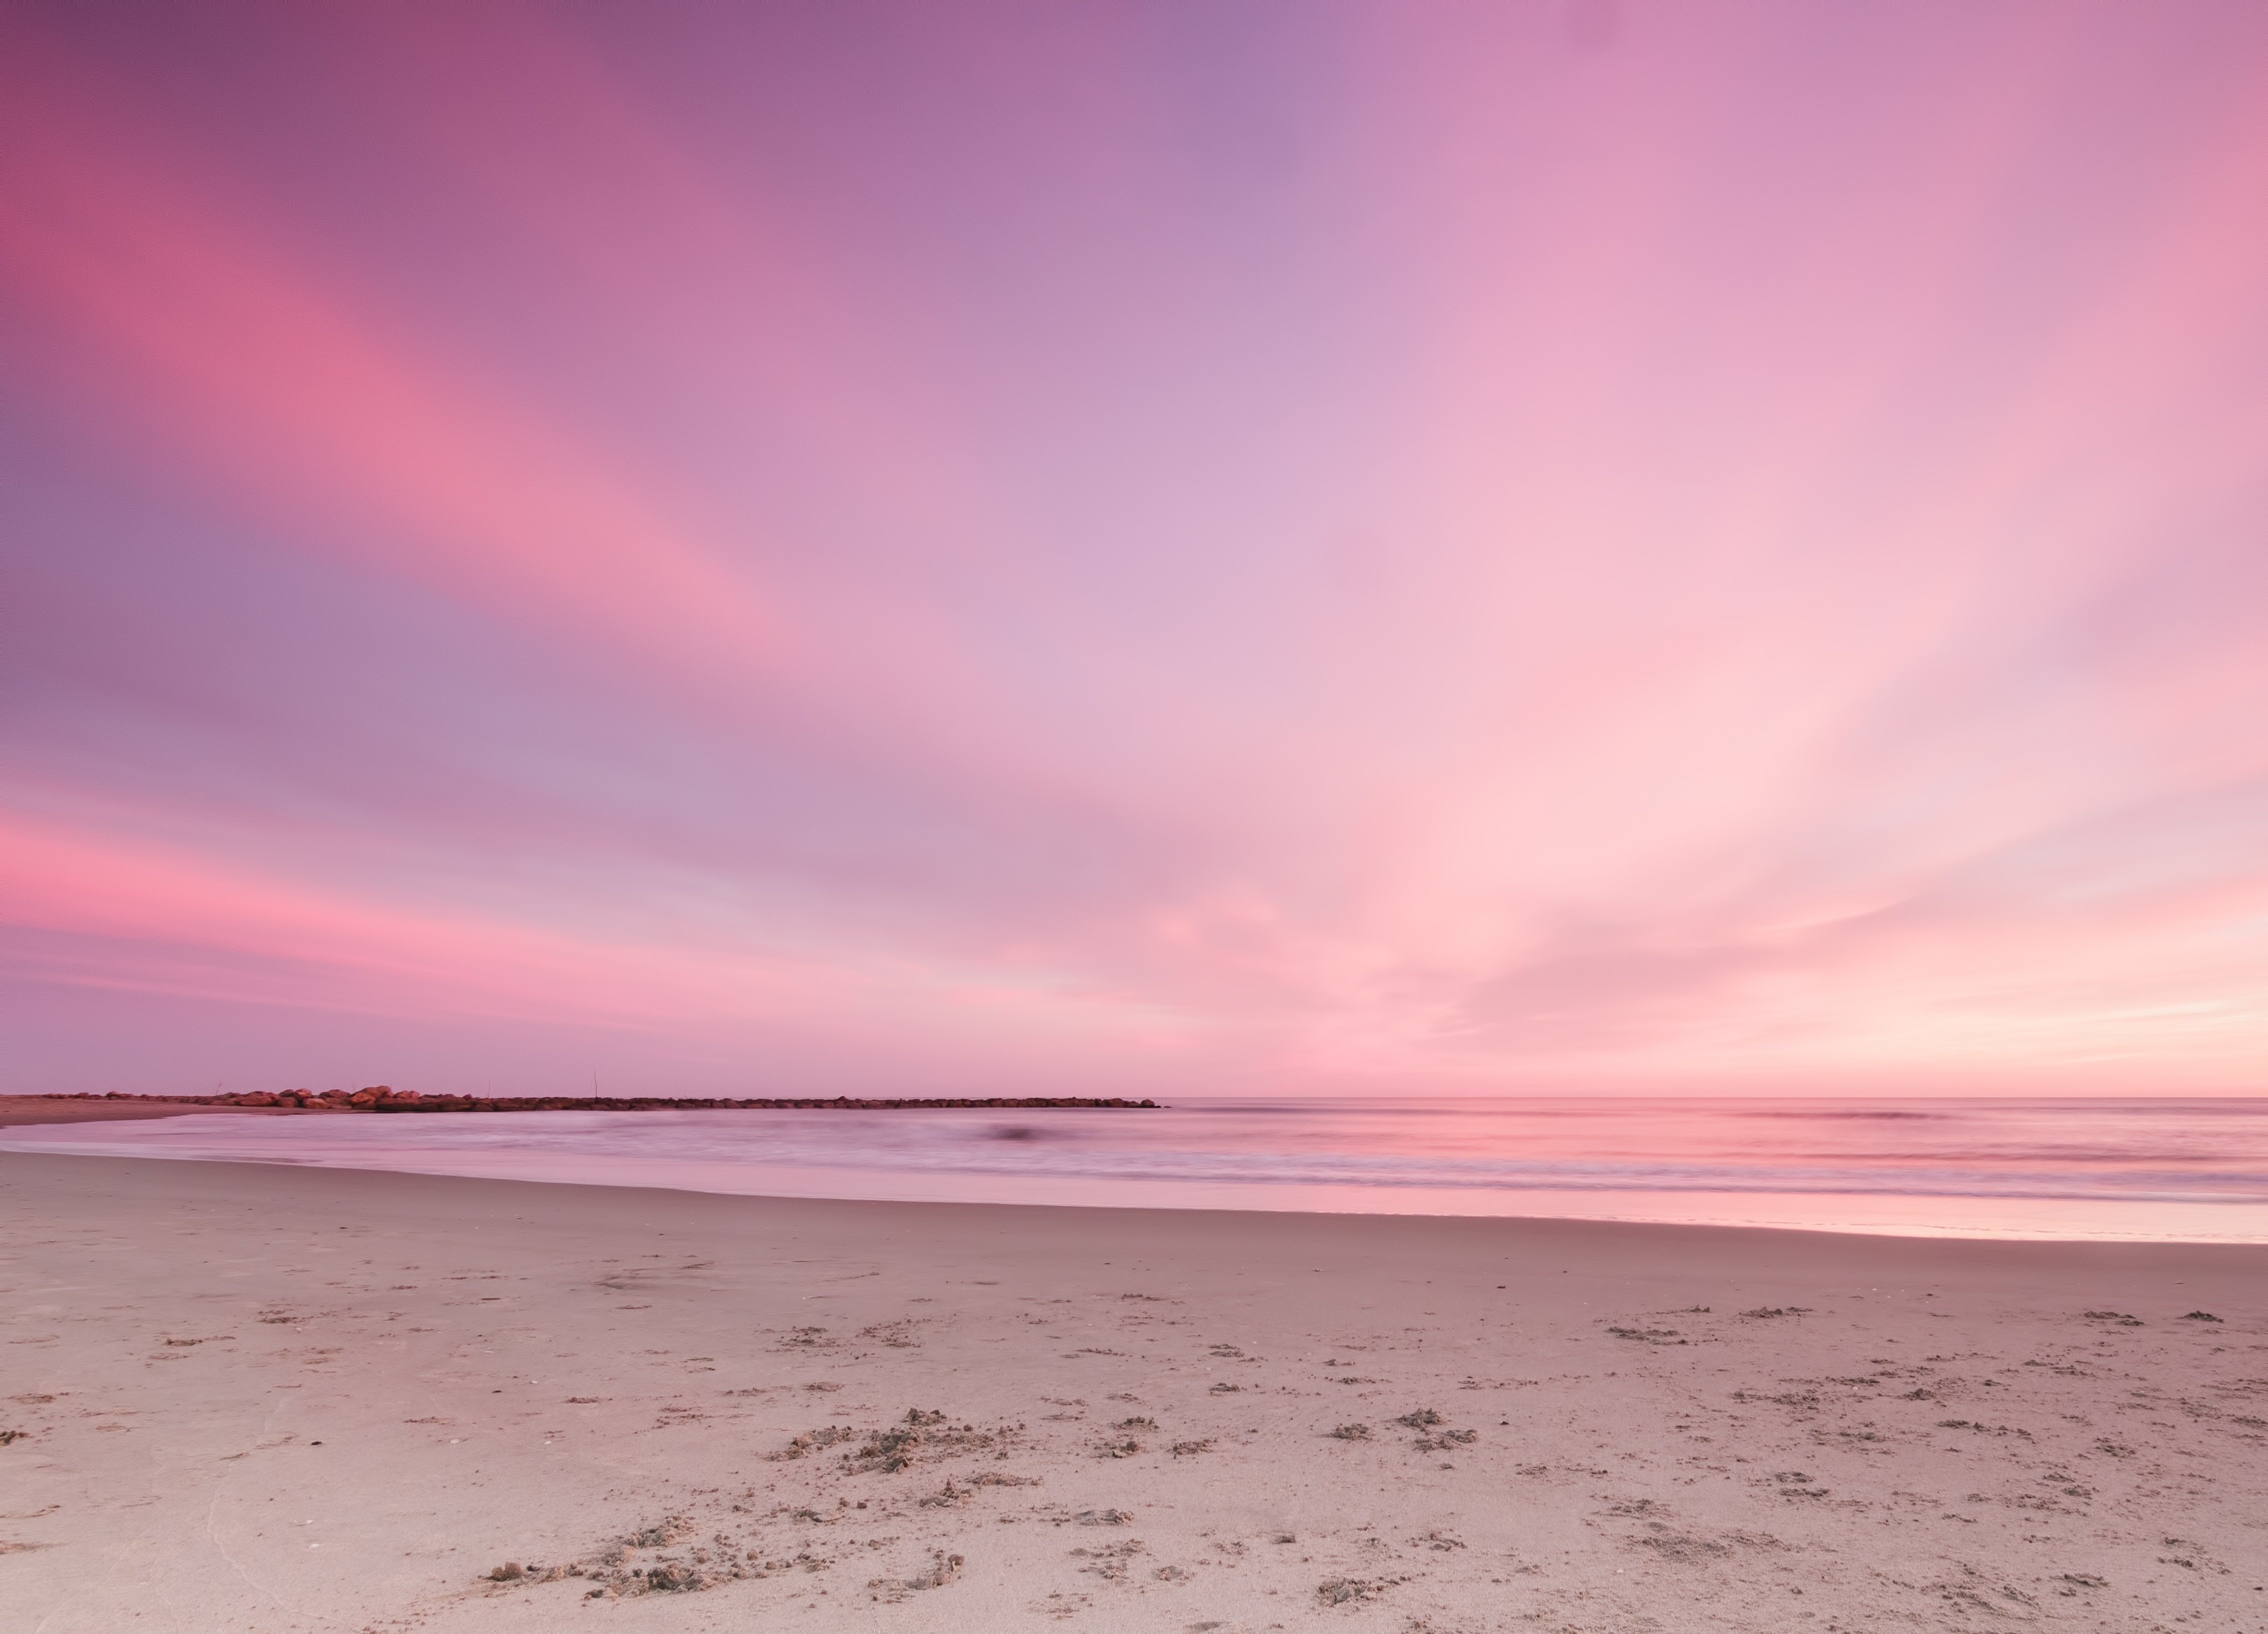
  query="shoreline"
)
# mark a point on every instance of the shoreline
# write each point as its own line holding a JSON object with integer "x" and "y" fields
{"x": 27, "y": 1111}
{"x": 773, "y": 1167}
{"x": 582, "y": 1195}
{"x": 346, "y": 1397}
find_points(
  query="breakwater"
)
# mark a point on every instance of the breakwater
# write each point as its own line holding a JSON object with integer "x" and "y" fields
{"x": 384, "y": 1098}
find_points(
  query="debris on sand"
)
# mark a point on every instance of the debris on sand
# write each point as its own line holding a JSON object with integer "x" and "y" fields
{"x": 1102, "y": 1517}
{"x": 923, "y": 1434}
{"x": 893, "y": 1449}
{"x": 943, "y": 1569}
{"x": 1113, "y": 1563}
{"x": 2120, "y": 1317}
{"x": 614, "y": 1569}
{"x": 813, "y": 1440}
{"x": 1421, "y": 1418}
{"x": 1353, "y": 1432}
{"x": 888, "y": 1451}
{"x": 1447, "y": 1440}
{"x": 1682, "y": 1547}
{"x": 1969, "y": 1424}
{"x": 2200, "y": 1316}
{"x": 1349, "y": 1591}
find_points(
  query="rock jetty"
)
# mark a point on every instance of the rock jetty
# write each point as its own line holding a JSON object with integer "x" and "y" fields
{"x": 384, "y": 1098}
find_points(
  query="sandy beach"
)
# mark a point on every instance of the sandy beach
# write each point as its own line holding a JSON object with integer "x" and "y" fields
{"x": 22, "y": 1111}
{"x": 254, "y": 1398}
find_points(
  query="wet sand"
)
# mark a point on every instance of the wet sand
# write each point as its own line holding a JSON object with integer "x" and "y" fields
{"x": 265, "y": 1399}
{"x": 26, "y": 1109}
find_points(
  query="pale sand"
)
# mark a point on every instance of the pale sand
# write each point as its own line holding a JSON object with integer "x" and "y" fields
{"x": 257, "y": 1399}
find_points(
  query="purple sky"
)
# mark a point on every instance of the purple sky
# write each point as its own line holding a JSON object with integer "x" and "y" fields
{"x": 1000, "y": 549}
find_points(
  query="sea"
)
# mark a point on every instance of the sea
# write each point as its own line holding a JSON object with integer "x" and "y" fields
{"x": 2137, "y": 1170}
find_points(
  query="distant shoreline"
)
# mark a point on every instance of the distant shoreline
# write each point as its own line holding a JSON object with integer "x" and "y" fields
{"x": 88, "y": 1107}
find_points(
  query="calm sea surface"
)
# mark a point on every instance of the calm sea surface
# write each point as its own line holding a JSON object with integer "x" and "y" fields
{"x": 2194, "y": 1170}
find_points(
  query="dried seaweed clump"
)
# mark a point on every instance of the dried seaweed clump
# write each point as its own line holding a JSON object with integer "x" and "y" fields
{"x": 813, "y": 1440}
{"x": 927, "y": 1435}
{"x": 614, "y": 1569}
{"x": 1447, "y": 1440}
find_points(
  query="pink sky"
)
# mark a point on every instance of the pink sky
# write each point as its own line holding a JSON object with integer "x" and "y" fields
{"x": 1165, "y": 548}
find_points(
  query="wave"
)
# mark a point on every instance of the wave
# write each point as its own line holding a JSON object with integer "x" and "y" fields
{"x": 2081, "y": 1162}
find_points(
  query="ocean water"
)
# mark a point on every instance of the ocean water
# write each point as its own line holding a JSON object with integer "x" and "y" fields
{"x": 2193, "y": 1170}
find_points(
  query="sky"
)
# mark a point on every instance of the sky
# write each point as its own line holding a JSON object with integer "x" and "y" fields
{"x": 1550, "y": 545}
